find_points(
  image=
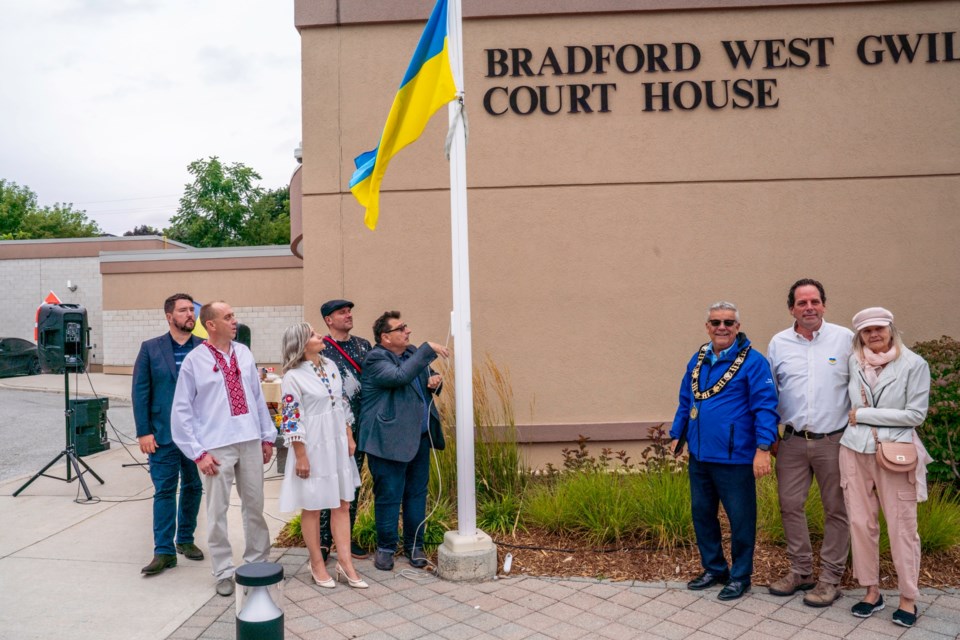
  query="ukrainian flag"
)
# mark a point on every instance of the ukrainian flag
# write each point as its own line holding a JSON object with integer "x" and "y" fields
{"x": 198, "y": 329}
{"x": 427, "y": 86}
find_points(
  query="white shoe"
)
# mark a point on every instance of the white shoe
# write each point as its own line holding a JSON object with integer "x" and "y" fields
{"x": 329, "y": 583}
{"x": 359, "y": 583}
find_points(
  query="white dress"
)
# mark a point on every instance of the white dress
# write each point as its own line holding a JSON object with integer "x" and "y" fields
{"x": 315, "y": 413}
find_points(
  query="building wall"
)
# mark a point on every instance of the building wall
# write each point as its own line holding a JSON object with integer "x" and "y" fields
{"x": 30, "y": 282}
{"x": 126, "y": 329}
{"x": 264, "y": 286}
{"x": 598, "y": 238}
{"x": 31, "y": 269}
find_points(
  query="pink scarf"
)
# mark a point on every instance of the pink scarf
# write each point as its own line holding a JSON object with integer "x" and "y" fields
{"x": 873, "y": 363}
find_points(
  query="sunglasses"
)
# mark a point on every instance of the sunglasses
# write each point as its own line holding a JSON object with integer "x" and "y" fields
{"x": 399, "y": 327}
{"x": 726, "y": 323}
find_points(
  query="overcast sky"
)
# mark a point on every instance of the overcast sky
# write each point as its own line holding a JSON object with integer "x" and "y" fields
{"x": 104, "y": 103}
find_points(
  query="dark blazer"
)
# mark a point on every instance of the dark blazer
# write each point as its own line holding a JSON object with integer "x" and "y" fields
{"x": 390, "y": 407}
{"x": 154, "y": 381}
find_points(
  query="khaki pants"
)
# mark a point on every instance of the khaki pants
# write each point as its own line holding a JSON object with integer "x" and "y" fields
{"x": 798, "y": 461}
{"x": 867, "y": 487}
{"x": 242, "y": 462}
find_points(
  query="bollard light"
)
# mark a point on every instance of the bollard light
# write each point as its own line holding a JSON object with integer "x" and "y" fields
{"x": 259, "y": 601}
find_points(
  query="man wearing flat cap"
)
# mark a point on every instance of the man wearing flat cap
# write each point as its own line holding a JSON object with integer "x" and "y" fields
{"x": 348, "y": 352}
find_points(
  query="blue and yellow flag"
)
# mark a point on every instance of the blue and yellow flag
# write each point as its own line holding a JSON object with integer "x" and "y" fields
{"x": 427, "y": 86}
{"x": 198, "y": 328}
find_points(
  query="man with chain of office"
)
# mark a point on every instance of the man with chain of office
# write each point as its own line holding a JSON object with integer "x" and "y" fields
{"x": 727, "y": 418}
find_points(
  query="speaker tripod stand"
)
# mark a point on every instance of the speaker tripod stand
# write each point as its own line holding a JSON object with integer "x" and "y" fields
{"x": 69, "y": 452}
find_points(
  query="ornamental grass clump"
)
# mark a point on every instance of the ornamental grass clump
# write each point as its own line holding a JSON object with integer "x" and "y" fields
{"x": 769, "y": 522}
{"x": 500, "y": 471}
{"x": 607, "y": 499}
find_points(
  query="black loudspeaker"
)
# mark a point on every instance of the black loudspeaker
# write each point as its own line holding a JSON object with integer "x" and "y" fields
{"x": 62, "y": 338}
{"x": 88, "y": 422}
{"x": 243, "y": 335}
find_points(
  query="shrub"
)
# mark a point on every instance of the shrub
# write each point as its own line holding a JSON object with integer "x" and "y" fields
{"x": 941, "y": 431}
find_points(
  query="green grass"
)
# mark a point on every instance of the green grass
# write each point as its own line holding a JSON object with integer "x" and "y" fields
{"x": 663, "y": 507}
{"x": 439, "y": 522}
{"x": 938, "y": 521}
{"x": 499, "y": 515}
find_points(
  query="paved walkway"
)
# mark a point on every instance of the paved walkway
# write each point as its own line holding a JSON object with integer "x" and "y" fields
{"x": 414, "y": 604}
{"x": 74, "y": 569}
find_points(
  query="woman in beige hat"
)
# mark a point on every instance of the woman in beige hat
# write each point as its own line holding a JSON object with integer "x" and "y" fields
{"x": 889, "y": 392}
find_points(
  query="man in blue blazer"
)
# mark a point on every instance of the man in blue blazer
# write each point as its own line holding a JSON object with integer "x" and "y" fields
{"x": 154, "y": 381}
{"x": 398, "y": 426}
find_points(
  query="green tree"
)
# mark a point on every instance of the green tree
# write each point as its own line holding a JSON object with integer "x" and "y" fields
{"x": 224, "y": 207}
{"x": 269, "y": 221}
{"x": 143, "y": 230}
{"x": 22, "y": 219}
{"x": 15, "y": 203}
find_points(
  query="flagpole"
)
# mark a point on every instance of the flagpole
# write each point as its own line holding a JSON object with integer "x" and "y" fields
{"x": 462, "y": 332}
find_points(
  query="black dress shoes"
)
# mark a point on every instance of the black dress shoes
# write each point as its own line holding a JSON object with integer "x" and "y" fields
{"x": 383, "y": 560}
{"x": 159, "y": 564}
{"x": 706, "y": 580}
{"x": 418, "y": 559}
{"x": 190, "y": 551}
{"x": 734, "y": 590}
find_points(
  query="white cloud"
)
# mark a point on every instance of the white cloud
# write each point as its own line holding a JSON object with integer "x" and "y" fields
{"x": 106, "y": 102}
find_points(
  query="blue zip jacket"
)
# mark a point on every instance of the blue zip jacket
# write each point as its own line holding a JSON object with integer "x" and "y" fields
{"x": 730, "y": 424}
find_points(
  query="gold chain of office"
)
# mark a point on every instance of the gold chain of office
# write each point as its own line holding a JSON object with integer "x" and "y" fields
{"x": 724, "y": 379}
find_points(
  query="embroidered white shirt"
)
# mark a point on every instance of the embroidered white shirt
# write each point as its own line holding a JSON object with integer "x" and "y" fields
{"x": 201, "y": 420}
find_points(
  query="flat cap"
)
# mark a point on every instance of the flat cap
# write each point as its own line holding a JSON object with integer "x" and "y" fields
{"x": 872, "y": 317}
{"x": 330, "y": 306}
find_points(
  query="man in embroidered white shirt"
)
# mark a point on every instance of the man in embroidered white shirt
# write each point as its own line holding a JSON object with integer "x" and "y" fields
{"x": 220, "y": 420}
{"x": 809, "y": 364}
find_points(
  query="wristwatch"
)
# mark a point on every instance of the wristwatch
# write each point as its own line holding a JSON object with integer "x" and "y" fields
{"x": 763, "y": 447}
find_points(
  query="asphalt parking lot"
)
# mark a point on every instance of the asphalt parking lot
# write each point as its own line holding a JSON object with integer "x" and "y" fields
{"x": 32, "y": 430}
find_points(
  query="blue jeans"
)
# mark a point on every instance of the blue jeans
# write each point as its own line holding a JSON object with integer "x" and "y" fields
{"x": 168, "y": 466}
{"x": 397, "y": 484}
{"x": 733, "y": 486}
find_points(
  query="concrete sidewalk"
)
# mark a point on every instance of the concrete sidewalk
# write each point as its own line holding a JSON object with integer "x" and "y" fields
{"x": 75, "y": 568}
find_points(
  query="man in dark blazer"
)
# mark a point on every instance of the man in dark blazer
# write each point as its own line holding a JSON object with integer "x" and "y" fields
{"x": 398, "y": 425}
{"x": 154, "y": 382}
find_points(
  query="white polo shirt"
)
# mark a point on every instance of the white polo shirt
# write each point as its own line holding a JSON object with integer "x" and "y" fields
{"x": 812, "y": 376}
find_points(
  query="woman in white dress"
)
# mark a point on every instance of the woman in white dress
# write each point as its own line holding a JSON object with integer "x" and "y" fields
{"x": 322, "y": 473}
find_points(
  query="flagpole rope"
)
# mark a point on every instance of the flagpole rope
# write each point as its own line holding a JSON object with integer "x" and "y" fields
{"x": 461, "y": 114}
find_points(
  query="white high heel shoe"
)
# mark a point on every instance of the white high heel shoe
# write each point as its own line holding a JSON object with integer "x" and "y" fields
{"x": 359, "y": 583}
{"x": 329, "y": 583}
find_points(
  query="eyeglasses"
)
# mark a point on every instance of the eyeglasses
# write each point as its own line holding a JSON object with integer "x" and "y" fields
{"x": 727, "y": 323}
{"x": 399, "y": 327}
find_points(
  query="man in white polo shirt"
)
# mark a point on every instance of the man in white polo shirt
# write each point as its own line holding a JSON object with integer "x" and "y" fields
{"x": 809, "y": 364}
{"x": 220, "y": 420}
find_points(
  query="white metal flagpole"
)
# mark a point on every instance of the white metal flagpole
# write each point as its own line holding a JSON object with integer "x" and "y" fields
{"x": 468, "y": 553}
{"x": 463, "y": 339}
